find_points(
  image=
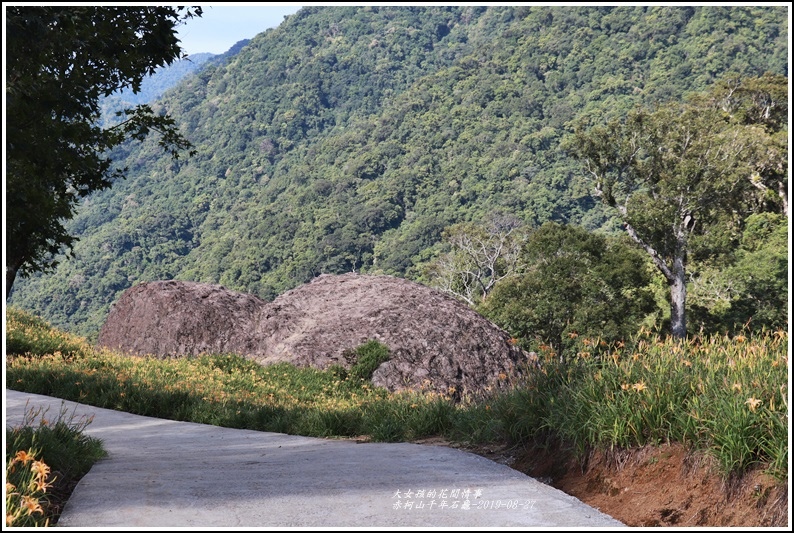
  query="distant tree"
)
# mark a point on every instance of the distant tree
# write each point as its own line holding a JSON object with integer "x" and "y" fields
{"x": 750, "y": 287}
{"x": 60, "y": 61}
{"x": 573, "y": 283}
{"x": 684, "y": 169}
{"x": 479, "y": 257}
{"x": 761, "y": 102}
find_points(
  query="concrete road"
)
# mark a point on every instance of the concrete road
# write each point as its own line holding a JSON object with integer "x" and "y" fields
{"x": 162, "y": 473}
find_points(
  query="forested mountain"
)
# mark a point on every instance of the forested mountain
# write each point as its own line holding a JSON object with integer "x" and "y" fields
{"x": 349, "y": 138}
{"x": 155, "y": 85}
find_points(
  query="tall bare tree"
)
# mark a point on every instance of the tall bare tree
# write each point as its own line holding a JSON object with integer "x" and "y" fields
{"x": 479, "y": 257}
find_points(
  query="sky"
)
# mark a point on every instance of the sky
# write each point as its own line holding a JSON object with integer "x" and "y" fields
{"x": 222, "y": 25}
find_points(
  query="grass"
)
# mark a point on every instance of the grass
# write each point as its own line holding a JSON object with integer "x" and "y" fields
{"x": 726, "y": 396}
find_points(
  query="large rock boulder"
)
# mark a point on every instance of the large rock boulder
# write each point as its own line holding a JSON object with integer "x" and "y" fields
{"x": 168, "y": 318}
{"x": 436, "y": 342}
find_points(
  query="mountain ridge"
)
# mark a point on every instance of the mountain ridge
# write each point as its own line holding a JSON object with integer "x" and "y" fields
{"x": 347, "y": 139}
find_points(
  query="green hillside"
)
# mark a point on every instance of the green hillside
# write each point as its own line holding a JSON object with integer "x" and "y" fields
{"x": 155, "y": 85}
{"x": 348, "y": 138}
{"x": 167, "y": 76}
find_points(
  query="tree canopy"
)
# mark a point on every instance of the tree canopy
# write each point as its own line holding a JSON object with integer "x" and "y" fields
{"x": 573, "y": 283}
{"x": 60, "y": 61}
{"x": 480, "y": 256}
{"x": 682, "y": 169}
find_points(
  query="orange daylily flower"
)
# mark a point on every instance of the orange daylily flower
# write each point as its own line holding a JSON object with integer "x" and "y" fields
{"x": 23, "y": 457}
{"x": 40, "y": 468}
{"x": 753, "y": 403}
{"x": 32, "y": 505}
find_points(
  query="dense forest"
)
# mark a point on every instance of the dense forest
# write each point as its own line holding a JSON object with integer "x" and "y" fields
{"x": 166, "y": 77}
{"x": 153, "y": 86}
{"x": 350, "y": 139}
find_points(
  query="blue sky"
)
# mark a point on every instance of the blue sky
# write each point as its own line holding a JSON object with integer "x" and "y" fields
{"x": 222, "y": 25}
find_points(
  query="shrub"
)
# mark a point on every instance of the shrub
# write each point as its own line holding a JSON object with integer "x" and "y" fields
{"x": 369, "y": 356}
{"x": 574, "y": 283}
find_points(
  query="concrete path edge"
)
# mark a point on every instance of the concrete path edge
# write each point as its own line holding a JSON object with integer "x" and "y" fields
{"x": 163, "y": 473}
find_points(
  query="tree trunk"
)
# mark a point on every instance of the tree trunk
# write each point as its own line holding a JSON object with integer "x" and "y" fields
{"x": 678, "y": 297}
{"x": 11, "y": 275}
{"x": 675, "y": 276}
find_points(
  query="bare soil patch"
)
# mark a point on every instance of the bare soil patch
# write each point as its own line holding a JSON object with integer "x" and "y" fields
{"x": 664, "y": 486}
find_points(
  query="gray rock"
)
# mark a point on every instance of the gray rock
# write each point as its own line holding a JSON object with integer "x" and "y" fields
{"x": 177, "y": 318}
{"x": 437, "y": 343}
